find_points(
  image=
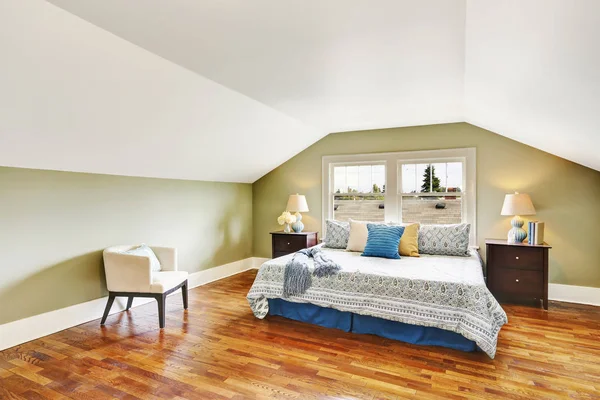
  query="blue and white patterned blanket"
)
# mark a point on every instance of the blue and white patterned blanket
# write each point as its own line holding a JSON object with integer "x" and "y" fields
{"x": 439, "y": 291}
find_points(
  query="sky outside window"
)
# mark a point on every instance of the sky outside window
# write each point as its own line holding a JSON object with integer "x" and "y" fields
{"x": 450, "y": 175}
{"x": 358, "y": 177}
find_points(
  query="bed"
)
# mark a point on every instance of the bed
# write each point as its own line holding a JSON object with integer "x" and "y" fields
{"x": 434, "y": 300}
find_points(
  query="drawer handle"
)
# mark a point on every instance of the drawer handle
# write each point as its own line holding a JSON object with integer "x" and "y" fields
{"x": 516, "y": 280}
{"x": 517, "y": 258}
{"x": 288, "y": 243}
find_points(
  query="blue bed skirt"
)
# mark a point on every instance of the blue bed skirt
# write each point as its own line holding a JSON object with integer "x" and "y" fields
{"x": 350, "y": 322}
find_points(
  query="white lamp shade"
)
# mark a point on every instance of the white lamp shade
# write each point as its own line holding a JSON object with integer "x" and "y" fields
{"x": 517, "y": 204}
{"x": 297, "y": 203}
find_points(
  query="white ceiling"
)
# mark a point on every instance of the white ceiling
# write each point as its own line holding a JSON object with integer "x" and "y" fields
{"x": 335, "y": 64}
{"x": 533, "y": 73}
{"x": 248, "y": 84}
{"x": 74, "y": 97}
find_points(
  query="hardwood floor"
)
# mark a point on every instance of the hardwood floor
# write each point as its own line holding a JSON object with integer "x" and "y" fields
{"x": 217, "y": 349}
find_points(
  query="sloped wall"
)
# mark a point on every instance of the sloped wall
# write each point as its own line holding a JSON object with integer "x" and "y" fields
{"x": 74, "y": 97}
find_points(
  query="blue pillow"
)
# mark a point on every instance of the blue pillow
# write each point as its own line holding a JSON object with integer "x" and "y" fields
{"x": 383, "y": 241}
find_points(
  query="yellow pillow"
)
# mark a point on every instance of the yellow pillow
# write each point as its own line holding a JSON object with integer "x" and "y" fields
{"x": 409, "y": 241}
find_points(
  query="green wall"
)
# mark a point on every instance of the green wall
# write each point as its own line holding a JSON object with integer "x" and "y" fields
{"x": 566, "y": 195}
{"x": 54, "y": 226}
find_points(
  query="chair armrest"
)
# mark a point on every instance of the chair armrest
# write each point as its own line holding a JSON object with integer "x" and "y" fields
{"x": 167, "y": 257}
{"x": 127, "y": 272}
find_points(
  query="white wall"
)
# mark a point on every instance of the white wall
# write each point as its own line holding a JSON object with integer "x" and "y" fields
{"x": 77, "y": 98}
{"x": 533, "y": 73}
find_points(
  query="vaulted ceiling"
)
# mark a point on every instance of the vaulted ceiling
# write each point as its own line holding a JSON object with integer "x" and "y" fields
{"x": 297, "y": 70}
{"x": 334, "y": 64}
{"x": 533, "y": 74}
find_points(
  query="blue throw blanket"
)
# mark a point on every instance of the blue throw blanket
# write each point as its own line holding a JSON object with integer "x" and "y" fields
{"x": 297, "y": 277}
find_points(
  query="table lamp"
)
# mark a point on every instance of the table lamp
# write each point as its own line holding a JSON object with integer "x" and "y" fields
{"x": 297, "y": 203}
{"x": 517, "y": 204}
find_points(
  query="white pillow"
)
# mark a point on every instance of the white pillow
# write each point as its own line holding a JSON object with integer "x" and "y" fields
{"x": 144, "y": 250}
{"x": 358, "y": 236}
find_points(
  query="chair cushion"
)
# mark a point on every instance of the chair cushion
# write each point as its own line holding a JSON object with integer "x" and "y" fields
{"x": 165, "y": 280}
{"x": 145, "y": 251}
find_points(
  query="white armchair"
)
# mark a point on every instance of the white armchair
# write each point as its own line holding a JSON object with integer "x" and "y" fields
{"x": 129, "y": 275}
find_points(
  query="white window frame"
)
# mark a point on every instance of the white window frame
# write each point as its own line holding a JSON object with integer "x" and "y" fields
{"x": 392, "y": 195}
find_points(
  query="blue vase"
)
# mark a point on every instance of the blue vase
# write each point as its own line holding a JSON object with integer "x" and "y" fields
{"x": 517, "y": 234}
{"x": 298, "y": 226}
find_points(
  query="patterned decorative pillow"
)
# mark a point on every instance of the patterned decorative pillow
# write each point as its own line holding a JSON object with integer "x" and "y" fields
{"x": 336, "y": 234}
{"x": 383, "y": 241}
{"x": 444, "y": 240}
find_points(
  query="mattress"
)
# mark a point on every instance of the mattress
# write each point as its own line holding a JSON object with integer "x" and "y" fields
{"x": 467, "y": 270}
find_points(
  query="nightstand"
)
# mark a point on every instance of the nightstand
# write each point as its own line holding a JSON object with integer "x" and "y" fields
{"x": 286, "y": 243}
{"x": 517, "y": 272}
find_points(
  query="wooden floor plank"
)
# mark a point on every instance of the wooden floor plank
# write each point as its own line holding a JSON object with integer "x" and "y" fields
{"x": 218, "y": 350}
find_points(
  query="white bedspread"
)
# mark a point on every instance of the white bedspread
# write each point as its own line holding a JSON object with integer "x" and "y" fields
{"x": 465, "y": 270}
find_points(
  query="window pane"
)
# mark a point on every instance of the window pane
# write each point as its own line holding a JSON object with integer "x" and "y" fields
{"x": 339, "y": 180}
{"x": 364, "y": 179}
{"x": 378, "y": 178}
{"x": 431, "y": 178}
{"x": 409, "y": 178}
{"x": 439, "y": 172}
{"x": 454, "y": 180}
{"x": 432, "y": 209}
{"x": 422, "y": 175}
{"x": 368, "y": 208}
{"x": 352, "y": 179}
{"x": 359, "y": 179}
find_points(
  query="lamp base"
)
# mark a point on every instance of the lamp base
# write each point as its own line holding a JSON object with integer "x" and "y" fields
{"x": 517, "y": 234}
{"x": 298, "y": 226}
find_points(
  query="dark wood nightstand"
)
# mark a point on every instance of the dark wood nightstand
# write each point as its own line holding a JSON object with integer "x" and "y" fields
{"x": 286, "y": 243}
{"x": 517, "y": 272}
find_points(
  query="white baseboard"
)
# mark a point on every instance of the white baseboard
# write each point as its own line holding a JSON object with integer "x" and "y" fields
{"x": 37, "y": 326}
{"x": 258, "y": 261}
{"x": 574, "y": 294}
{"x": 220, "y": 272}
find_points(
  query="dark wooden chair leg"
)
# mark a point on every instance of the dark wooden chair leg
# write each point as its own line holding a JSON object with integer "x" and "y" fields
{"x": 129, "y": 302}
{"x": 161, "y": 309}
{"x": 109, "y": 303}
{"x": 184, "y": 294}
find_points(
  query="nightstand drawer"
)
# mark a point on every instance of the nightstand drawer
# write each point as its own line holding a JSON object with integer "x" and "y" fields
{"x": 517, "y": 281}
{"x": 521, "y": 258}
{"x": 285, "y": 243}
{"x": 288, "y": 243}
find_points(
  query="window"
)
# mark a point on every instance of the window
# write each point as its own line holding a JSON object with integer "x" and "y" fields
{"x": 359, "y": 192}
{"x": 430, "y": 187}
{"x": 431, "y": 193}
